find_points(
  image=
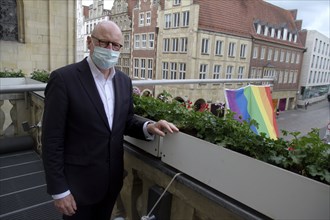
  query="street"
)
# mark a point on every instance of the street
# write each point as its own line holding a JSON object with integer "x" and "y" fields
{"x": 316, "y": 115}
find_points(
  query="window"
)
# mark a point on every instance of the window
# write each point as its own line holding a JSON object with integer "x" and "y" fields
{"x": 288, "y": 54}
{"x": 218, "y": 47}
{"x": 229, "y": 72}
{"x": 126, "y": 41}
{"x": 240, "y": 72}
{"x": 143, "y": 68}
{"x": 141, "y": 19}
{"x": 216, "y": 71}
{"x": 176, "y": 20}
{"x": 144, "y": 40}
{"x": 272, "y": 34}
{"x": 280, "y": 77}
{"x": 136, "y": 68}
{"x": 293, "y": 57}
{"x": 136, "y": 41}
{"x": 183, "y": 44}
{"x": 182, "y": 71}
{"x": 313, "y": 60}
{"x": 168, "y": 21}
{"x": 231, "y": 49}
{"x": 266, "y": 31}
{"x": 276, "y": 55}
{"x": 315, "y": 45}
{"x": 173, "y": 70}
{"x": 282, "y": 56}
{"x": 205, "y": 46}
{"x": 202, "y": 71}
{"x": 255, "y": 52}
{"x": 166, "y": 47}
{"x": 165, "y": 70}
{"x": 262, "y": 54}
{"x": 253, "y": 73}
{"x": 176, "y": 2}
{"x": 295, "y": 77}
{"x": 279, "y": 34}
{"x": 270, "y": 54}
{"x": 175, "y": 44}
{"x": 298, "y": 59}
{"x": 285, "y": 34}
{"x": 151, "y": 40}
{"x": 185, "y": 20}
{"x": 286, "y": 75}
{"x": 242, "y": 53}
{"x": 149, "y": 68}
{"x": 148, "y": 18}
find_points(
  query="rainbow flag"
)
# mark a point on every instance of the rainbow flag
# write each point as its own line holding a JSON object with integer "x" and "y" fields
{"x": 254, "y": 102}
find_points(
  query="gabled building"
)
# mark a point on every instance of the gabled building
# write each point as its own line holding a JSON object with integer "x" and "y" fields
{"x": 121, "y": 14}
{"x": 277, "y": 50}
{"x": 228, "y": 40}
{"x": 96, "y": 13}
{"x": 145, "y": 40}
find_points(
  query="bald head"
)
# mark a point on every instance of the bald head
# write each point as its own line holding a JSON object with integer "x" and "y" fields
{"x": 106, "y": 26}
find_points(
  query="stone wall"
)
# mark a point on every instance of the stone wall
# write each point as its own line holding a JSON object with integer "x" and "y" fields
{"x": 46, "y": 36}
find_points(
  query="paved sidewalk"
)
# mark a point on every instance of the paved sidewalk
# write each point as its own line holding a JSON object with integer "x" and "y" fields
{"x": 316, "y": 115}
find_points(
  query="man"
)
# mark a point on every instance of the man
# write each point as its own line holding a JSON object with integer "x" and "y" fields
{"x": 88, "y": 109}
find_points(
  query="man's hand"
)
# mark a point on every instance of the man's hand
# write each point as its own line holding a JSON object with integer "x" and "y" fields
{"x": 161, "y": 127}
{"x": 66, "y": 205}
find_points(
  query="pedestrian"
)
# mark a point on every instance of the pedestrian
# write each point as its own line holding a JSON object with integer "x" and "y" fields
{"x": 277, "y": 112}
{"x": 88, "y": 109}
{"x": 306, "y": 104}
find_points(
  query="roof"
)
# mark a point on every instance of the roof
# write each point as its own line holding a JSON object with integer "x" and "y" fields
{"x": 237, "y": 17}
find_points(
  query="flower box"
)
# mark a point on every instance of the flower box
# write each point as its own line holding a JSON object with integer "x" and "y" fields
{"x": 270, "y": 190}
{"x": 151, "y": 147}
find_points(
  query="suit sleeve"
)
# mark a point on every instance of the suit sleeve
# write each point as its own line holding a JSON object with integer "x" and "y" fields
{"x": 53, "y": 133}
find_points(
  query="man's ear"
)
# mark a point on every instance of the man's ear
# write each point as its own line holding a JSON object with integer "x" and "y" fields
{"x": 89, "y": 42}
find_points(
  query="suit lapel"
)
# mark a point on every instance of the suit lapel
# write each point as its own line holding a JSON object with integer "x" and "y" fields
{"x": 88, "y": 83}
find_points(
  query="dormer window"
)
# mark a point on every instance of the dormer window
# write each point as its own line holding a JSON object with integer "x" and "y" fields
{"x": 259, "y": 29}
{"x": 290, "y": 37}
{"x": 295, "y": 38}
{"x": 266, "y": 31}
{"x": 279, "y": 34}
{"x": 272, "y": 34}
{"x": 285, "y": 34}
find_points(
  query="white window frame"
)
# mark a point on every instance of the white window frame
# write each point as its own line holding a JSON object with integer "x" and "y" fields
{"x": 176, "y": 20}
{"x": 205, "y": 46}
{"x": 148, "y": 18}
{"x": 185, "y": 19}
{"x": 262, "y": 53}
{"x": 136, "y": 41}
{"x": 143, "y": 40}
{"x": 231, "y": 49}
{"x": 141, "y": 19}
{"x": 150, "y": 66}
{"x": 151, "y": 40}
{"x": 168, "y": 18}
{"x": 219, "y": 48}
{"x": 243, "y": 51}
{"x": 165, "y": 70}
{"x": 240, "y": 72}
{"x": 229, "y": 72}
{"x": 143, "y": 68}
{"x": 216, "y": 71}
{"x": 182, "y": 70}
{"x": 136, "y": 68}
{"x": 183, "y": 44}
{"x": 166, "y": 45}
{"x": 175, "y": 45}
{"x": 255, "y": 52}
{"x": 270, "y": 54}
{"x": 173, "y": 69}
{"x": 202, "y": 71}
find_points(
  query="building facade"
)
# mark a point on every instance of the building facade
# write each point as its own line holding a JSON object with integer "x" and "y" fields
{"x": 37, "y": 34}
{"x": 96, "y": 13}
{"x": 315, "y": 77}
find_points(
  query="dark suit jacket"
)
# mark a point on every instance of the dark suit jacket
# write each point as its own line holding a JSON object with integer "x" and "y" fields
{"x": 80, "y": 152}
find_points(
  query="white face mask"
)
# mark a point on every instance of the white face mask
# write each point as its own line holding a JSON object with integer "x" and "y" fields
{"x": 105, "y": 58}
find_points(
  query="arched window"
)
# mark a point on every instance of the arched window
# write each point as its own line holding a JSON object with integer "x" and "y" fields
{"x": 11, "y": 20}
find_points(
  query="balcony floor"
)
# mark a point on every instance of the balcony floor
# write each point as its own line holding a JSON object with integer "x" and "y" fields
{"x": 23, "y": 188}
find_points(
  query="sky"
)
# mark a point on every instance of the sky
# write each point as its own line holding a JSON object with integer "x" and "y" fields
{"x": 315, "y": 14}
